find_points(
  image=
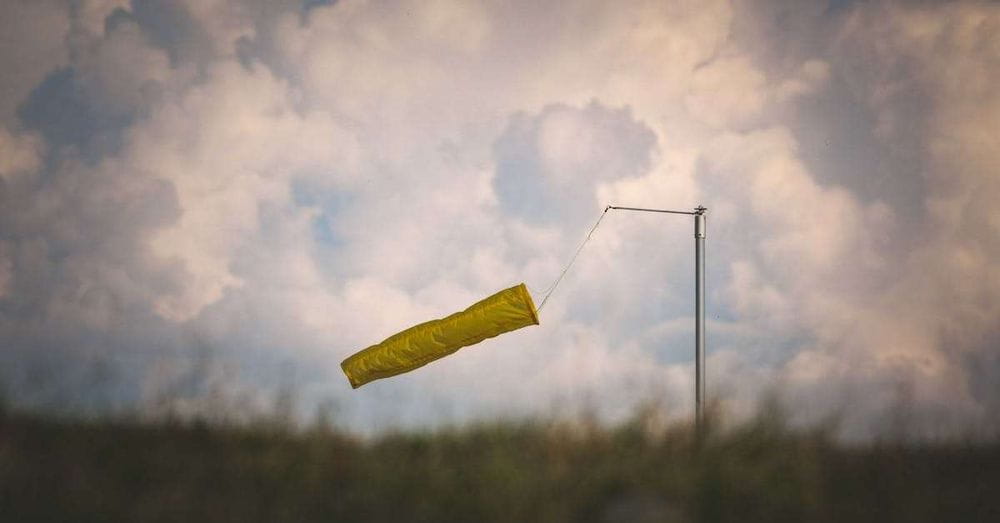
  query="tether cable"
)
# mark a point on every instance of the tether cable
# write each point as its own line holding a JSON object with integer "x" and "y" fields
{"x": 548, "y": 292}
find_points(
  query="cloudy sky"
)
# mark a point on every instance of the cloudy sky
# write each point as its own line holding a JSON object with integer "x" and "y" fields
{"x": 206, "y": 205}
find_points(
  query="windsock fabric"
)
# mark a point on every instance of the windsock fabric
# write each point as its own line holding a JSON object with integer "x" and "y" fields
{"x": 421, "y": 344}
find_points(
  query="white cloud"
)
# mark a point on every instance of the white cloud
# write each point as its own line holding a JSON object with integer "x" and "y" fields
{"x": 231, "y": 148}
{"x": 291, "y": 188}
{"x": 727, "y": 92}
{"x": 19, "y": 155}
{"x": 810, "y": 77}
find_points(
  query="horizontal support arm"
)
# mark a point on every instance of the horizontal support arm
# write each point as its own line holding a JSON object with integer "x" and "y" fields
{"x": 698, "y": 211}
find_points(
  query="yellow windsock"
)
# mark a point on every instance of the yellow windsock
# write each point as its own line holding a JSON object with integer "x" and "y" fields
{"x": 507, "y": 310}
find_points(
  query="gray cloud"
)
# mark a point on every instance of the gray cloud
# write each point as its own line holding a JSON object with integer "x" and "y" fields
{"x": 33, "y": 35}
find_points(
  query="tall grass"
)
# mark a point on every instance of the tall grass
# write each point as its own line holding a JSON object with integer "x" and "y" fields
{"x": 504, "y": 471}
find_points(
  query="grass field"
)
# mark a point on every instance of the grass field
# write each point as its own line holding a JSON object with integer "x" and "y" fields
{"x": 506, "y": 471}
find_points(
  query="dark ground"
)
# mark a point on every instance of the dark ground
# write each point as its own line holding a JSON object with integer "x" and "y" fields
{"x": 509, "y": 471}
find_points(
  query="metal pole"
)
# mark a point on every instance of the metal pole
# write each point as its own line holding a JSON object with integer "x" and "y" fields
{"x": 699, "y": 306}
{"x": 699, "y": 331}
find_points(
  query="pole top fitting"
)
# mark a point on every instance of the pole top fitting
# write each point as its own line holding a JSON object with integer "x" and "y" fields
{"x": 699, "y": 210}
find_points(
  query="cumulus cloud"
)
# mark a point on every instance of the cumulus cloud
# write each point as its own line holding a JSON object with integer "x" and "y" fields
{"x": 206, "y": 203}
{"x": 549, "y": 164}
